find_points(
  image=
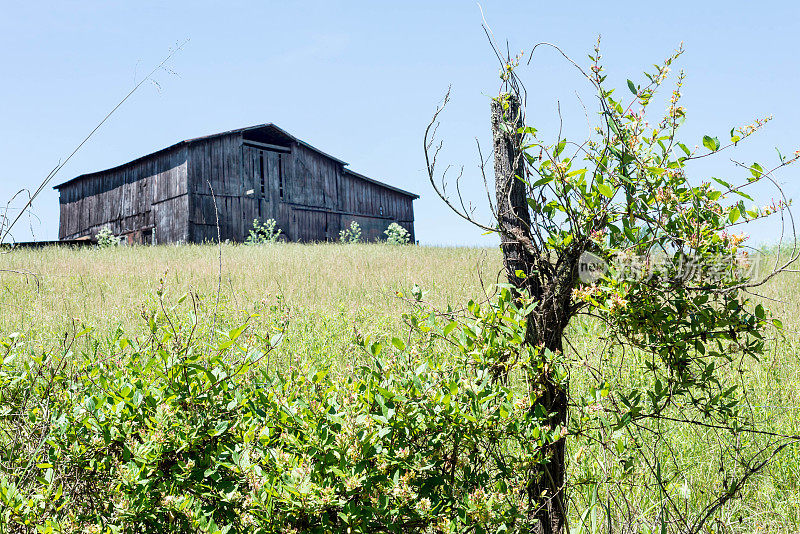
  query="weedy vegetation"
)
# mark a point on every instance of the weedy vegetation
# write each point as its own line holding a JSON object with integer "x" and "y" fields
{"x": 263, "y": 233}
{"x": 313, "y": 403}
{"x": 621, "y": 227}
{"x": 351, "y": 234}
{"x": 397, "y": 235}
{"x": 106, "y": 238}
{"x": 377, "y": 388}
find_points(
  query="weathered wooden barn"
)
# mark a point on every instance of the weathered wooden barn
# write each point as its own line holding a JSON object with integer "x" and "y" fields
{"x": 261, "y": 172}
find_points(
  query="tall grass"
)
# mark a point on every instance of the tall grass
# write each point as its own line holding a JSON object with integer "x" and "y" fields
{"x": 106, "y": 288}
{"x": 339, "y": 292}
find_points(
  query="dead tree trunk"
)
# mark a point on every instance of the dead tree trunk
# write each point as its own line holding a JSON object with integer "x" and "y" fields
{"x": 549, "y": 285}
{"x": 513, "y": 218}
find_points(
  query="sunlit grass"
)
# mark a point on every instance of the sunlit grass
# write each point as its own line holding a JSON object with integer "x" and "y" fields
{"x": 336, "y": 292}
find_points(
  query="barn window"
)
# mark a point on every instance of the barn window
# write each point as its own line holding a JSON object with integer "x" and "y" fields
{"x": 261, "y": 169}
{"x": 280, "y": 175}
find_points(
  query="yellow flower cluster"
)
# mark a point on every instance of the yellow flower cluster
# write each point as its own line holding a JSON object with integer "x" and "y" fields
{"x": 736, "y": 239}
{"x": 664, "y": 194}
{"x": 597, "y": 235}
{"x": 662, "y": 74}
{"x": 423, "y": 506}
{"x": 751, "y": 128}
{"x": 774, "y": 207}
{"x": 585, "y": 292}
{"x": 352, "y": 483}
{"x": 402, "y": 490}
{"x": 617, "y": 303}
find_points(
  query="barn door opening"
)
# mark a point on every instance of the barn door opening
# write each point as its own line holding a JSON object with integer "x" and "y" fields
{"x": 263, "y": 177}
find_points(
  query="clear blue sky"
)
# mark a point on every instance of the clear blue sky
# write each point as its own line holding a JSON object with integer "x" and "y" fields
{"x": 360, "y": 80}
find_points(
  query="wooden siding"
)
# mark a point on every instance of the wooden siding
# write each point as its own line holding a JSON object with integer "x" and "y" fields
{"x": 216, "y": 165}
{"x": 134, "y": 200}
{"x": 255, "y": 174}
{"x": 310, "y": 196}
{"x": 374, "y": 207}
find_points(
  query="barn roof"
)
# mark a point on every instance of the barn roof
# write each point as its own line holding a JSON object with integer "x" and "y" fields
{"x": 275, "y": 129}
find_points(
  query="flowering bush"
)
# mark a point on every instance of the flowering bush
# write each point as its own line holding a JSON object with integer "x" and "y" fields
{"x": 397, "y": 235}
{"x": 106, "y": 238}
{"x": 351, "y": 234}
{"x": 263, "y": 233}
{"x": 616, "y": 227}
{"x": 171, "y": 434}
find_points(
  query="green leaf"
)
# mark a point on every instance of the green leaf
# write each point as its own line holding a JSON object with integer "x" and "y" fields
{"x": 632, "y": 87}
{"x": 84, "y": 332}
{"x": 778, "y": 324}
{"x": 721, "y": 182}
{"x": 398, "y": 343}
{"x": 711, "y": 143}
{"x": 236, "y": 332}
{"x": 450, "y": 327}
{"x": 560, "y": 147}
{"x": 375, "y": 349}
{"x": 606, "y": 190}
{"x": 276, "y": 339}
{"x": 733, "y": 216}
{"x": 611, "y": 123}
{"x": 760, "y": 312}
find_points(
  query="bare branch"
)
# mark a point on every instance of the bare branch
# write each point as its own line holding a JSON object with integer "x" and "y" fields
{"x": 61, "y": 165}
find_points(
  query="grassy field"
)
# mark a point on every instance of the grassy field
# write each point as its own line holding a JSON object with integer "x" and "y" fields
{"x": 332, "y": 290}
{"x": 335, "y": 291}
{"x": 106, "y": 288}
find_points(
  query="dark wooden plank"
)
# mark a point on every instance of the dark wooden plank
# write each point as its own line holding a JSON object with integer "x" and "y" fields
{"x": 175, "y": 182}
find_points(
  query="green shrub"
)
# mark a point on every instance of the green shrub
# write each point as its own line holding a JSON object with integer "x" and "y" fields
{"x": 352, "y": 234}
{"x": 176, "y": 433}
{"x": 263, "y": 233}
{"x": 397, "y": 235}
{"x": 106, "y": 238}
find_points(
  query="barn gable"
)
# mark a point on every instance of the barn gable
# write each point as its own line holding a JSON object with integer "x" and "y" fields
{"x": 179, "y": 193}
